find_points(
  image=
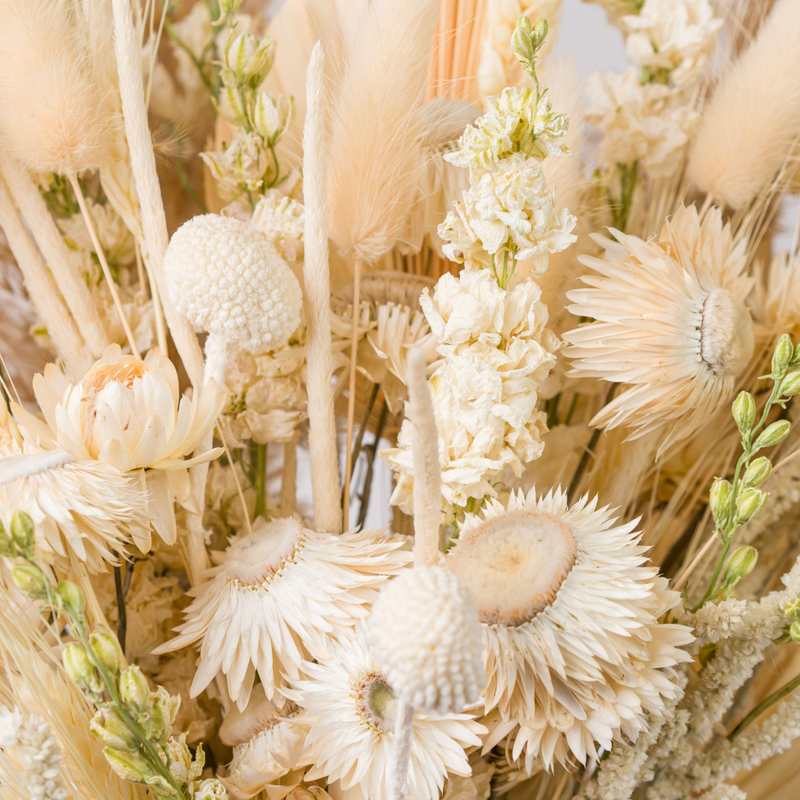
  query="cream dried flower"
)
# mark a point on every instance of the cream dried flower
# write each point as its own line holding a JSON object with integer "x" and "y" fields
{"x": 671, "y": 321}
{"x": 675, "y": 35}
{"x": 223, "y": 275}
{"x": 645, "y": 123}
{"x": 282, "y": 221}
{"x": 349, "y": 711}
{"x": 282, "y": 592}
{"x": 574, "y": 652}
{"x": 130, "y": 414}
{"x": 425, "y": 635}
{"x": 241, "y": 166}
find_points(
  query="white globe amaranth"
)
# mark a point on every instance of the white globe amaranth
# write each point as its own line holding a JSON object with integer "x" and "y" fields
{"x": 224, "y": 275}
{"x": 425, "y": 635}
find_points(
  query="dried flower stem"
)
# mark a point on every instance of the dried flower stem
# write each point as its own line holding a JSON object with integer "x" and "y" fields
{"x": 401, "y": 750}
{"x": 289, "y": 479}
{"x": 144, "y": 270}
{"x": 101, "y": 256}
{"x": 775, "y": 697}
{"x": 316, "y": 269}
{"x": 351, "y": 400}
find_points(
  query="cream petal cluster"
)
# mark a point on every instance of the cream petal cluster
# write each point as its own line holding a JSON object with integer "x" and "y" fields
{"x": 671, "y": 322}
{"x": 574, "y": 653}
{"x": 281, "y": 595}
{"x": 675, "y": 35}
{"x": 282, "y": 220}
{"x": 646, "y": 123}
{"x": 129, "y": 413}
{"x": 349, "y": 712}
{"x": 497, "y": 352}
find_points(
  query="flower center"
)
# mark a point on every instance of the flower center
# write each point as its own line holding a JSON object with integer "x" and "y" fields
{"x": 514, "y": 565}
{"x": 240, "y": 727}
{"x": 255, "y": 558}
{"x": 376, "y": 703}
{"x": 726, "y": 334}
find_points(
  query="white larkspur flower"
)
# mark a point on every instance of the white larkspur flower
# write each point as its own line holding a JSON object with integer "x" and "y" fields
{"x": 86, "y": 509}
{"x": 130, "y": 414}
{"x": 425, "y": 635}
{"x": 266, "y": 742}
{"x": 350, "y": 712}
{"x": 573, "y": 649}
{"x": 677, "y": 35}
{"x": 646, "y": 123}
{"x": 281, "y": 594}
{"x": 671, "y": 322}
{"x": 508, "y": 204}
{"x": 282, "y": 221}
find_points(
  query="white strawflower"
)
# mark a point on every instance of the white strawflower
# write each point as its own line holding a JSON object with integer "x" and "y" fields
{"x": 646, "y": 123}
{"x": 425, "y": 635}
{"x": 350, "y": 712}
{"x": 671, "y": 323}
{"x": 129, "y": 413}
{"x": 282, "y": 592}
{"x": 224, "y": 275}
{"x": 282, "y": 221}
{"x": 574, "y": 653}
{"x": 676, "y": 35}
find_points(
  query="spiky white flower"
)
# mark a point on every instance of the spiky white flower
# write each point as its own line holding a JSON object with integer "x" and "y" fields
{"x": 676, "y": 35}
{"x": 425, "y": 635}
{"x": 281, "y": 594}
{"x": 130, "y": 414}
{"x": 224, "y": 275}
{"x": 266, "y": 742}
{"x": 573, "y": 648}
{"x": 86, "y": 509}
{"x": 646, "y": 123}
{"x": 282, "y": 221}
{"x": 671, "y": 321}
{"x": 350, "y": 712}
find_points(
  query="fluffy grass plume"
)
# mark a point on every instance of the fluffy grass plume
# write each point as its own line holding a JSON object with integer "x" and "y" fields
{"x": 52, "y": 114}
{"x": 753, "y": 120}
{"x": 375, "y": 148}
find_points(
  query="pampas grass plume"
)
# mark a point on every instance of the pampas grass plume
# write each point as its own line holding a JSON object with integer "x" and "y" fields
{"x": 753, "y": 120}
{"x": 375, "y": 148}
{"x": 52, "y": 114}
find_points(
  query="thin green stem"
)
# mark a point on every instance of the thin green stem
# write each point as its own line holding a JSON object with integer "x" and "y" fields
{"x": 261, "y": 480}
{"x": 775, "y": 697}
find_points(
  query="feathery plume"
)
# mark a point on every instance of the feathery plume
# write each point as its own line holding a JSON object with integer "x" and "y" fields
{"x": 316, "y": 270}
{"x": 753, "y": 119}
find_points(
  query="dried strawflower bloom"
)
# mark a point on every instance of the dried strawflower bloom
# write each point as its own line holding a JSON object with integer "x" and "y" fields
{"x": 671, "y": 321}
{"x": 425, "y": 635}
{"x": 350, "y": 710}
{"x": 130, "y": 414}
{"x": 281, "y": 220}
{"x": 574, "y": 652}
{"x": 224, "y": 275}
{"x": 282, "y": 592}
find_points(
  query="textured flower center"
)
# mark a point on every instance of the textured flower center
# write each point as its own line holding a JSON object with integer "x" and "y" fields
{"x": 376, "y": 703}
{"x": 726, "y": 334}
{"x": 514, "y": 565}
{"x": 255, "y": 558}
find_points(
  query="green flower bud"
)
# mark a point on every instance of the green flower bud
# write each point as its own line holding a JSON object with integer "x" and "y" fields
{"x": 749, "y": 504}
{"x": 757, "y": 472}
{"x": 744, "y": 411}
{"x": 72, "y": 598}
{"x": 539, "y": 33}
{"x": 227, "y": 7}
{"x": 719, "y": 500}
{"x": 247, "y": 60}
{"x": 782, "y": 357}
{"x": 108, "y": 727}
{"x": 81, "y": 671}
{"x": 133, "y": 689}
{"x": 22, "y": 531}
{"x": 6, "y": 548}
{"x": 790, "y": 385}
{"x": 521, "y": 40}
{"x": 741, "y": 563}
{"x": 796, "y": 356}
{"x": 792, "y": 608}
{"x": 270, "y": 118}
{"x": 106, "y": 650}
{"x": 30, "y": 581}
{"x": 794, "y": 631}
{"x": 133, "y": 768}
{"x": 773, "y": 434}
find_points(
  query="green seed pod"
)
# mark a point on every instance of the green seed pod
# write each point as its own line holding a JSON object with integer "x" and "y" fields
{"x": 106, "y": 650}
{"x": 741, "y": 563}
{"x": 750, "y": 503}
{"x": 782, "y": 357}
{"x": 30, "y": 581}
{"x": 72, "y": 598}
{"x": 773, "y": 434}
{"x": 757, "y": 472}
{"x": 719, "y": 500}
{"x": 22, "y": 531}
{"x": 133, "y": 689}
{"x": 744, "y": 411}
{"x": 790, "y": 386}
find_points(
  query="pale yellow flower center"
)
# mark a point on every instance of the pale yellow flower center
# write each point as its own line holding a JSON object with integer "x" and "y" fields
{"x": 726, "y": 334}
{"x": 514, "y": 565}
{"x": 376, "y": 702}
{"x": 124, "y": 372}
{"x": 257, "y": 557}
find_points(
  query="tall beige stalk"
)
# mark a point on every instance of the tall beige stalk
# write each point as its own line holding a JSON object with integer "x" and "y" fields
{"x": 143, "y": 164}
{"x": 42, "y": 289}
{"x": 316, "y": 271}
{"x": 49, "y": 240}
{"x": 425, "y": 451}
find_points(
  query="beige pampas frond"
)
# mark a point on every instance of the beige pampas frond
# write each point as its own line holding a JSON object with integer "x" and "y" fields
{"x": 753, "y": 120}
{"x": 52, "y": 114}
{"x": 375, "y": 148}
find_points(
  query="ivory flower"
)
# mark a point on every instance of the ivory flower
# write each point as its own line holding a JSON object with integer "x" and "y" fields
{"x": 281, "y": 220}
{"x": 646, "y": 123}
{"x": 671, "y": 322}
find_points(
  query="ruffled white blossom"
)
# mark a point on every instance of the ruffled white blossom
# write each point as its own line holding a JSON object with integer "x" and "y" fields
{"x": 281, "y": 219}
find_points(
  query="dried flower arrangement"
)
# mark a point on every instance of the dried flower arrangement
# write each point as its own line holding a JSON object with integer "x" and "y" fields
{"x": 246, "y": 261}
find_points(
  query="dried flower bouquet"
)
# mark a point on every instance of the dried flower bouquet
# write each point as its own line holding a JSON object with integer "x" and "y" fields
{"x": 388, "y": 414}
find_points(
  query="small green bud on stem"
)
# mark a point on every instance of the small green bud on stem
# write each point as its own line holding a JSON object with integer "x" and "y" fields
{"x": 133, "y": 689}
{"x": 741, "y": 563}
{"x": 108, "y": 727}
{"x": 30, "y": 581}
{"x": 783, "y": 355}
{"x": 749, "y": 503}
{"x": 22, "y": 532}
{"x": 773, "y": 434}
{"x": 757, "y": 472}
{"x": 744, "y": 411}
{"x": 106, "y": 650}
{"x": 790, "y": 386}
{"x": 6, "y": 548}
{"x": 72, "y": 599}
{"x": 719, "y": 501}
